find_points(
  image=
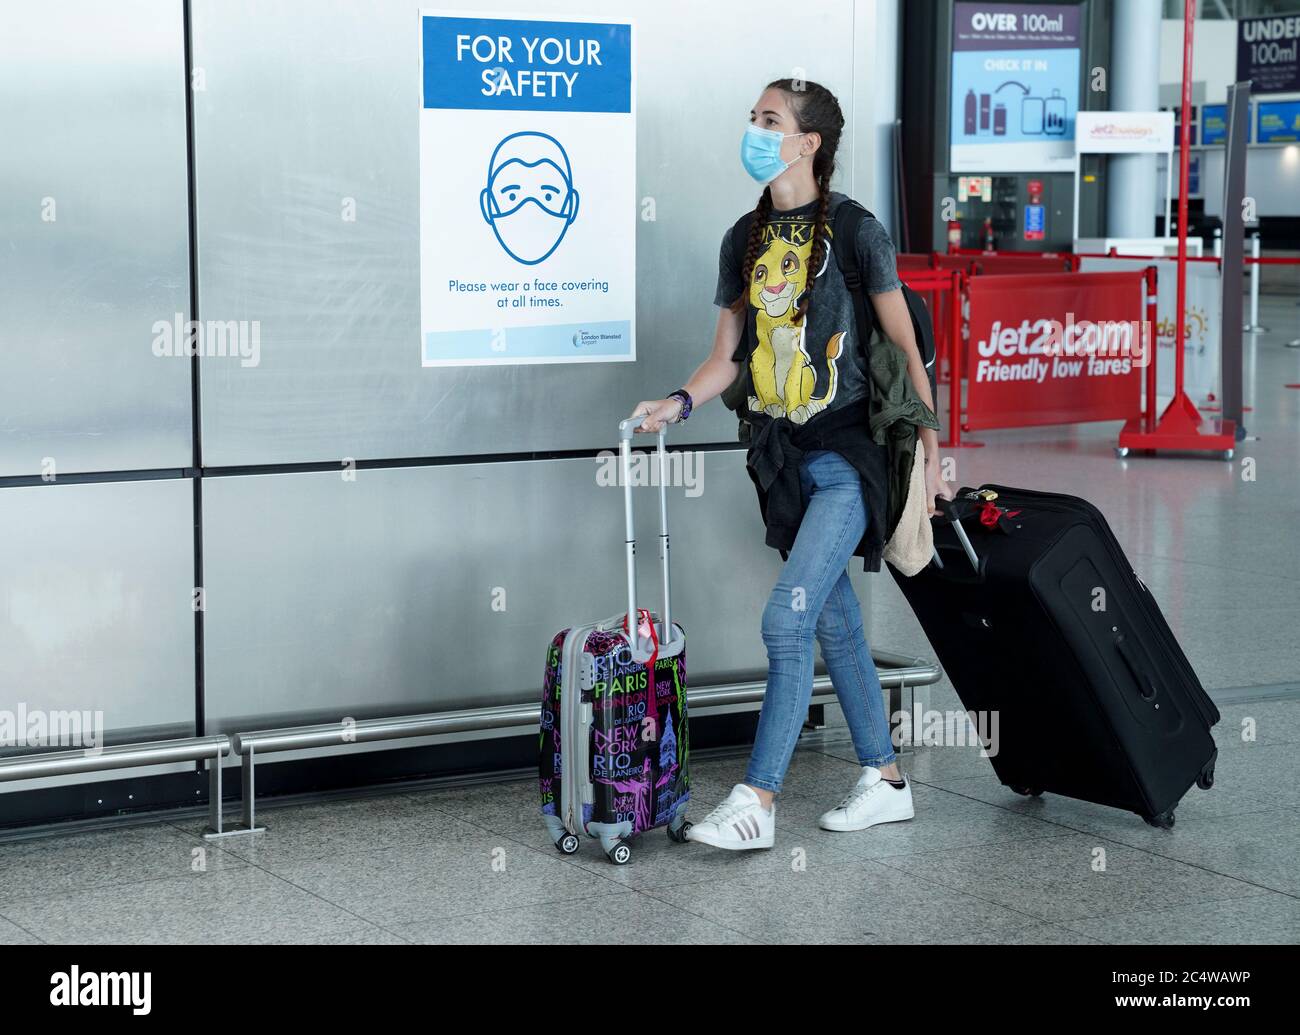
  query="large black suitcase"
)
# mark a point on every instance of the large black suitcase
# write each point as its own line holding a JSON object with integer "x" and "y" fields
{"x": 1038, "y": 617}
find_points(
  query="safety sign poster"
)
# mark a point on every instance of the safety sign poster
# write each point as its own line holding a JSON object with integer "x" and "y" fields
{"x": 1015, "y": 87}
{"x": 527, "y": 190}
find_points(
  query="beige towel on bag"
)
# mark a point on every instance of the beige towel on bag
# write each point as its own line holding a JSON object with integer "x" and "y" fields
{"x": 912, "y": 545}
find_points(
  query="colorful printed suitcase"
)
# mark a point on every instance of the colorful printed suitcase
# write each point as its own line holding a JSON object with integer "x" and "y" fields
{"x": 614, "y": 746}
{"x": 1039, "y": 619}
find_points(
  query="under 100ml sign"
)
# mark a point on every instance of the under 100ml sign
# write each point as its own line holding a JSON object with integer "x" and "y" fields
{"x": 527, "y": 190}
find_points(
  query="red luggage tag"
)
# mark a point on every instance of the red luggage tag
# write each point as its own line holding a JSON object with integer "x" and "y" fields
{"x": 991, "y": 515}
{"x": 645, "y": 627}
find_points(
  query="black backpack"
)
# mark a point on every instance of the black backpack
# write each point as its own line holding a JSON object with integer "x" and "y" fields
{"x": 844, "y": 234}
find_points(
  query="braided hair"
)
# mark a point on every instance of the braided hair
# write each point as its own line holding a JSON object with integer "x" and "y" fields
{"x": 815, "y": 111}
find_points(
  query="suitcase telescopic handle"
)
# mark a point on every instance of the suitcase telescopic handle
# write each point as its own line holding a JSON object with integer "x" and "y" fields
{"x": 626, "y": 428}
{"x": 952, "y": 512}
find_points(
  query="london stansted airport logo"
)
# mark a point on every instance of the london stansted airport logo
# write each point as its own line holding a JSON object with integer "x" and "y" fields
{"x": 586, "y": 339}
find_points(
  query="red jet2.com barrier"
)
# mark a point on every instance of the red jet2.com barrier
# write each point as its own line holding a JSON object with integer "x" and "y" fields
{"x": 1055, "y": 348}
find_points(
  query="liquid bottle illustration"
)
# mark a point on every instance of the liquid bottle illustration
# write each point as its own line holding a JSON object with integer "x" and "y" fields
{"x": 984, "y": 112}
{"x": 1031, "y": 116}
{"x": 999, "y": 119}
{"x": 970, "y": 113}
{"x": 1054, "y": 117}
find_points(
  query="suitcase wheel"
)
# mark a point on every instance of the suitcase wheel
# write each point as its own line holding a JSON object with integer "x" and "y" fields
{"x": 1164, "y": 821}
{"x": 620, "y": 853}
{"x": 677, "y": 833}
{"x": 1028, "y": 792}
{"x": 568, "y": 844}
{"x": 1206, "y": 780}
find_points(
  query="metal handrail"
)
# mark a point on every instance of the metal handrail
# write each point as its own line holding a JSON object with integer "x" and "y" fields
{"x": 900, "y": 671}
{"x": 128, "y": 756}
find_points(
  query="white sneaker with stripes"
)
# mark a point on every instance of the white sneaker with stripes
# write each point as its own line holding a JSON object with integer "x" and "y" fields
{"x": 739, "y": 823}
{"x": 871, "y": 801}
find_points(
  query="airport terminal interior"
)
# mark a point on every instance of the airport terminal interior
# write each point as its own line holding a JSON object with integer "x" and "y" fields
{"x": 308, "y": 451}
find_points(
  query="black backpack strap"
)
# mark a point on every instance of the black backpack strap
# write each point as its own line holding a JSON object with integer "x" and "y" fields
{"x": 844, "y": 239}
{"x": 848, "y": 218}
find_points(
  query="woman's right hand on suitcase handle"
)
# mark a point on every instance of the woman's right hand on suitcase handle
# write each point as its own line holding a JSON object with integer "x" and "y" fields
{"x": 658, "y": 412}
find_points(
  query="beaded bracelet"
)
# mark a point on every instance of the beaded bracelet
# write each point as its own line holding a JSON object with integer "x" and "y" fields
{"x": 687, "y": 403}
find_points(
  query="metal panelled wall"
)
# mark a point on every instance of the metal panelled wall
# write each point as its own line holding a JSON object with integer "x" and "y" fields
{"x": 92, "y": 216}
{"x": 419, "y": 589}
{"x": 95, "y": 611}
{"x": 309, "y": 104}
{"x": 411, "y": 588}
{"x": 96, "y": 583}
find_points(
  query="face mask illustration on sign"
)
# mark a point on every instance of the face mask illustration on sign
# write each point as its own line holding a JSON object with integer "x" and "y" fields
{"x": 760, "y": 153}
{"x": 529, "y": 200}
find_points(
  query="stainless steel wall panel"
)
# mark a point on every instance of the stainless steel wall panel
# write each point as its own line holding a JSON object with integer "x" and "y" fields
{"x": 95, "y": 603}
{"x": 424, "y": 588}
{"x": 93, "y": 225}
{"x": 308, "y": 103}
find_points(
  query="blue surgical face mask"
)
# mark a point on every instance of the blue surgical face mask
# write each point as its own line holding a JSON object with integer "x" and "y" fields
{"x": 760, "y": 152}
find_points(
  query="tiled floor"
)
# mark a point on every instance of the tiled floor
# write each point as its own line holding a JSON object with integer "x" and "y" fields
{"x": 977, "y": 865}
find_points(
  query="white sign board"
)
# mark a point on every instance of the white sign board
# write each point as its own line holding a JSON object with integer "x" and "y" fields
{"x": 527, "y": 190}
{"x": 1124, "y": 132}
{"x": 1204, "y": 303}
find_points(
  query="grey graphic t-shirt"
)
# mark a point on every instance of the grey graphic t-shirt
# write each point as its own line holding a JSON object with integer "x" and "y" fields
{"x": 799, "y": 371}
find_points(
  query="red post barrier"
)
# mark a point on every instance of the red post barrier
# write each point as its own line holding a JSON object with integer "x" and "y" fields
{"x": 954, "y": 363}
{"x": 1184, "y": 161}
{"x": 958, "y": 346}
{"x": 1181, "y": 426}
{"x": 1152, "y": 344}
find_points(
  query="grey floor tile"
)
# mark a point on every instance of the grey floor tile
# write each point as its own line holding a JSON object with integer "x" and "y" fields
{"x": 659, "y": 862}
{"x": 1259, "y": 920}
{"x": 1223, "y": 831}
{"x": 237, "y": 906}
{"x": 934, "y": 764}
{"x": 1269, "y": 772}
{"x": 859, "y": 903}
{"x": 814, "y": 772}
{"x": 510, "y": 808}
{"x": 443, "y": 879}
{"x": 338, "y": 826}
{"x": 942, "y": 820}
{"x": 12, "y": 934}
{"x": 1259, "y": 847}
{"x": 1230, "y": 799}
{"x": 1037, "y": 934}
{"x": 60, "y": 864}
{"x": 1270, "y": 723}
{"x": 713, "y": 778}
{"x": 1054, "y": 880}
{"x": 626, "y": 918}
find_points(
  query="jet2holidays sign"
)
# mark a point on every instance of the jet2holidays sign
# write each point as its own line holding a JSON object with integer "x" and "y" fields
{"x": 527, "y": 190}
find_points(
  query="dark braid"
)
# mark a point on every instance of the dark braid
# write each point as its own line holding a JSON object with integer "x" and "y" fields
{"x": 817, "y": 255}
{"x": 756, "y": 225}
{"x": 815, "y": 111}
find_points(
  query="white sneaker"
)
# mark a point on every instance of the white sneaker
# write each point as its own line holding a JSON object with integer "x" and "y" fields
{"x": 871, "y": 801}
{"x": 739, "y": 823}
